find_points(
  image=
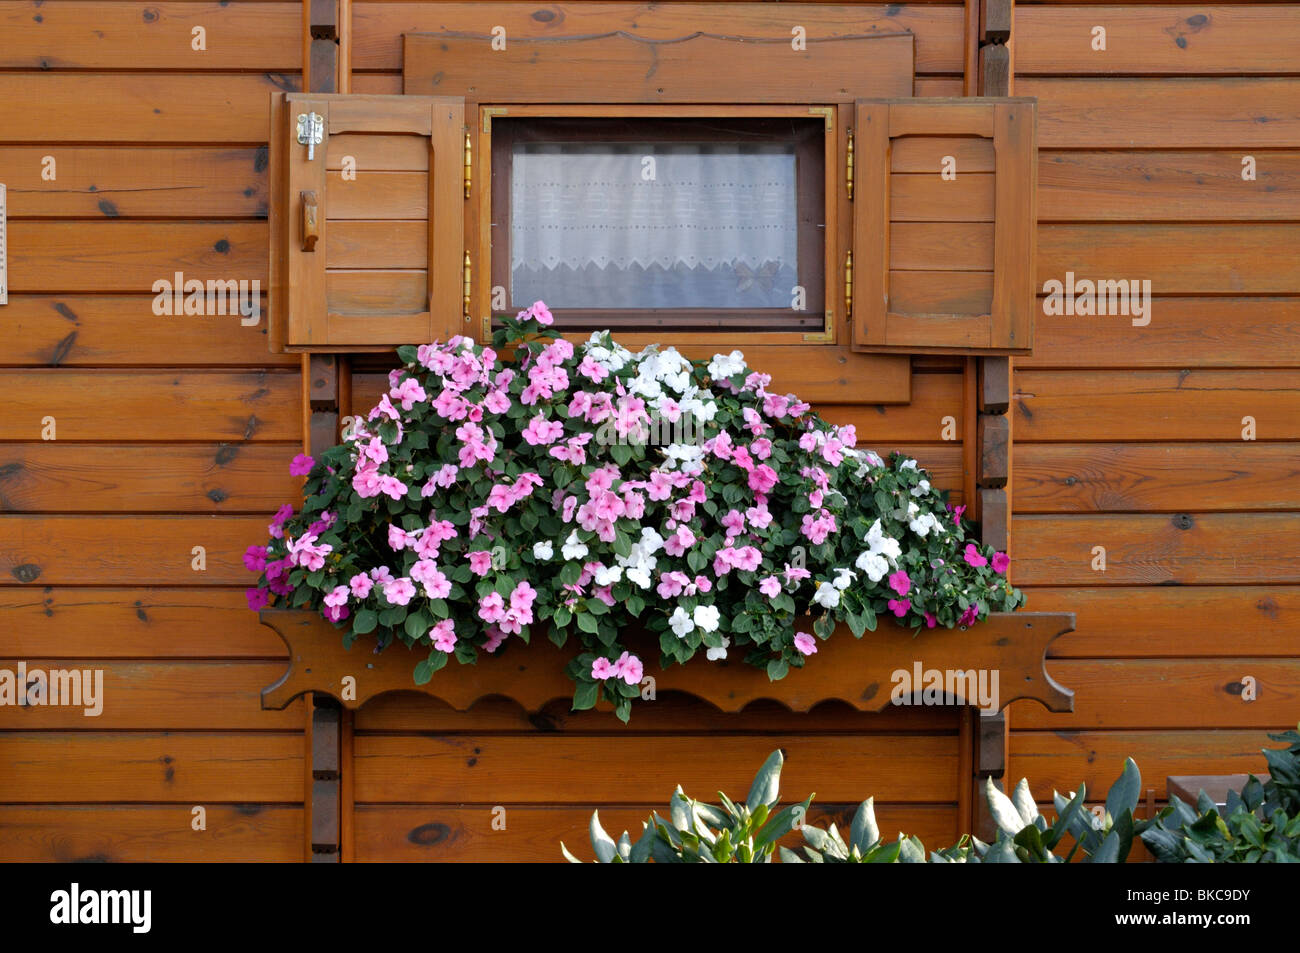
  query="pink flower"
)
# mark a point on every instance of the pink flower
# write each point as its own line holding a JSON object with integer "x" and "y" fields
{"x": 443, "y": 636}
{"x": 805, "y": 643}
{"x": 494, "y": 639}
{"x": 629, "y": 668}
{"x": 360, "y": 585}
{"x": 400, "y": 591}
{"x": 282, "y": 514}
{"x": 398, "y": 538}
{"x": 541, "y": 431}
{"x": 491, "y": 608}
{"x": 521, "y": 599}
{"x": 771, "y": 587}
{"x": 901, "y": 583}
{"x": 257, "y": 598}
{"x": 335, "y": 613}
{"x": 541, "y": 313}
{"x": 338, "y": 596}
{"x": 436, "y": 585}
{"x": 1000, "y": 562}
{"x": 601, "y": 669}
{"x": 973, "y": 557}
{"x": 409, "y": 393}
{"x": 301, "y": 465}
{"x": 480, "y": 561}
{"x": 900, "y": 607}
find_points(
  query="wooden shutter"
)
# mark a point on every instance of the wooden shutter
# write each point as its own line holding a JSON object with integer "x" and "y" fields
{"x": 943, "y": 225}
{"x": 388, "y": 184}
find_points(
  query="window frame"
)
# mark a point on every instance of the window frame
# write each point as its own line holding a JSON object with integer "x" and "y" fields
{"x": 479, "y": 225}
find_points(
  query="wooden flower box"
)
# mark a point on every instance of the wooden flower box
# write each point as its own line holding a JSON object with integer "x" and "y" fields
{"x": 860, "y": 672}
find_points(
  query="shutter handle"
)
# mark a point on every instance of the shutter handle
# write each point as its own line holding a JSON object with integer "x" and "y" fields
{"x": 310, "y": 221}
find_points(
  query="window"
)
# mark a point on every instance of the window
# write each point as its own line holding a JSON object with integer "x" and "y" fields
{"x": 643, "y": 224}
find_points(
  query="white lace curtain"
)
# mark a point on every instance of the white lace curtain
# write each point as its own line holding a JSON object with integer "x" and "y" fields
{"x": 706, "y": 206}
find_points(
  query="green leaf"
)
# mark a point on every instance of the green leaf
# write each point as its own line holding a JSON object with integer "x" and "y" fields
{"x": 864, "y": 832}
{"x": 588, "y": 623}
{"x": 585, "y": 695}
{"x": 777, "y": 669}
{"x": 766, "y": 788}
{"x": 1123, "y": 794}
{"x": 364, "y": 622}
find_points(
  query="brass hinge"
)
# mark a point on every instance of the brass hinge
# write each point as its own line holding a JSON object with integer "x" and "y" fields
{"x": 848, "y": 168}
{"x": 487, "y": 330}
{"x": 469, "y": 164}
{"x": 468, "y": 272}
{"x": 848, "y": 285}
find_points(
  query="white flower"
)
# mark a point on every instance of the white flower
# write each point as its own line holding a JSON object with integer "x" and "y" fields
{"x": 882, "y": 545}
{"x": 573, "y": 548}
{"x": 922, "y": 525}
{"x": 921, "y": 488}
{"x": 706, "y": 617}
{"x": 843, "y": 578}
{"x": 608, "y": 575}
{"x": 651, "y": 541}
{"x": 680, "y": 622}
{"x": 543, "y": 550}
{"x": 826, "y": 595}
{"x": 718, "y": 654}
{"x": 874, "y": 565}
{"x": 640, "y": 576}
{"x": 907, "y": 465}
{"x": 726, "y": 365}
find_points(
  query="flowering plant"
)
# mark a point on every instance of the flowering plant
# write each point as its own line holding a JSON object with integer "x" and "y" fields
{"x": 589, "y": 491}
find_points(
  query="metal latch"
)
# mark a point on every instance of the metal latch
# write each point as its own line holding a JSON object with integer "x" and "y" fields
{"x": 311, "y": 132}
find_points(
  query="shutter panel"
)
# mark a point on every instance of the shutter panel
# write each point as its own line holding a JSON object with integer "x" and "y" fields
{"x": 385, "y": 197}
{"x": 943, "y": 225}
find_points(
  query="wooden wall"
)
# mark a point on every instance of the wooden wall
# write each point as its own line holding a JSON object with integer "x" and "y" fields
{"x": 172, "y": 432}
{"x": 1130, "y": 437}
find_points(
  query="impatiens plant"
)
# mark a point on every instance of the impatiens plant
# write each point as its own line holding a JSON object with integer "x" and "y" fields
{"x": 587, "y": 492}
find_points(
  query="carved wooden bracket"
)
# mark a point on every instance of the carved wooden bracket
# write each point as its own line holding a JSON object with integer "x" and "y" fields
{"x": 857, "y": 671}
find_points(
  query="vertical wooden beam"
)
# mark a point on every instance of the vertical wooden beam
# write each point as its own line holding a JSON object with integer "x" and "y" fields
{"x": 325, "y": 807}
{"x": 970, "y": 49}
{"x": 345, "y": 46}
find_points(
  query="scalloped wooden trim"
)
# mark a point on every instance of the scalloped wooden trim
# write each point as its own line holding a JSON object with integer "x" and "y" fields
{"x": 856, "y": 671}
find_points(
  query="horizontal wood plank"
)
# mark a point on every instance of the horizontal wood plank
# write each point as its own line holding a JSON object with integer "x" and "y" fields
{"x": 1184, "y": 405}
{"x": 49, "y": 256}
{"x": 66, "y": 623}
{"x": 1142, "y": 549}
{"x": 239, "y": 36}
{"x": 1173, "y": 621}
{"x": 127, "y": 550}
{"x": 1118, "y": 478}
{"x": 541, "y": 770}
{"x": 173, "y": 696}
{"x": 1221, "y": 113}
{"x": 125, "y": 406}
{"x": 451, "y": 833}
{"x": 143, "y": 478}
{"x": 138, "y": 107}
{"x": 56, "y": 767}
{"x": 1225, "y": 39}
{"x": 150, "y": 833}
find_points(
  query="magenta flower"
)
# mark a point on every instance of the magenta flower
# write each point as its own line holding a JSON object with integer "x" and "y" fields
{"x": 257, "y": 598}
{"x": 973, "y": 557}
{"x": 805, "y": 643}
{"x": 900, "y": 607}
{"x": 970, "y": 616}
{"x": 335, "y": 613}
{"x": 901, "y": 583}
{"x": 301, "y": 465}
{"x": 930, "y": 620}
{"x": 255, "y": 558}
{"x": 1000, "y": 562}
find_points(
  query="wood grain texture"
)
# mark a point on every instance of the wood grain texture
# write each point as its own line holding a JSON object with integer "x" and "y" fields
{"x": 1148, "y": 549}
{"x": 192, "y": 695}
{"x": 857, "y": 671}
{"x": 126, "y": 550}
{"x": 107, "y": 330}
{"x": 239, "y": 36}
{"x": 378, "y": 27}
{"x": 1184, "y": 332}
{"x": 1061, "y": 759}
{"x": 1174, "y": 621}
{"x": 146, "y": 478}
{"x": 1183, "y": 405}
{"x": 451, "y": 833}
{"x": 136, "y": 107}
{"x": 1178, "y": 39}
{"x": 506, "y": 769}
{"x": 1156, "y": 477}
{"x": 81, "y": 622}
{"x": 1150, "y": 186}
{"x": 150, "y": 767}
{"x": 134, "y": 833}
{"x": 201, "y": 405}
